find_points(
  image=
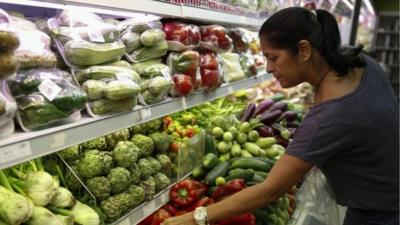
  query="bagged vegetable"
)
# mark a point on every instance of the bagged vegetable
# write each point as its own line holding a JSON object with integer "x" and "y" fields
{"x": 186, "y": 62}
{"x": 78, "y": 18}
{"x": 181, "y": 36}
{"x": 214, "y": 38}
{"x": 152, "y": 37}
{"x": 101, "y": 33}
{"x": 146, "y": 53}
{"x": 155, "y": 90}
{"x": 106, "y": 72}
{"x": 8, "y": 108}
{"x": 210, "y": 74}
{"x": 139, "y": 24}
{"x": 241, "y": 39}
{"x": 248, "y": 64}
{"x": 231, "y": 67}
{"x": 183, "y": 85}
{"x": 131, "y": 41}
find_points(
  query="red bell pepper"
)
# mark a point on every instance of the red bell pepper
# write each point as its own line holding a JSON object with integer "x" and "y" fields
{"x": 174, "y": 147}
{"x": 148, "y": 220}
{"x": 186, "y": 193}
{"x": 186, "y": 62}
{"x": 203, "y": 202}
{"x": 228, "y": 189}
{"x": 245, "y": 219}
{"x": 170, "y": 208}
{"x": 183, "y": 84}
{"x": 160, "y": 216}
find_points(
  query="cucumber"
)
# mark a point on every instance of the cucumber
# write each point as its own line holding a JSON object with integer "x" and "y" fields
{"x": 236, "y": 150}
{"x": 246, "y": 175}
{"x": 252, "y": 148}
{"x": 210, "y": 144}
{"x": 251, "y": 163}
{"x": 258, "y": 179}
{"x": 267, "y": 160}
{"x": 225, "y": 157}
{"x": 266, "y": 142}
{"x": 261, "y": 174}
{"x": 218, "y": 171}
{"x": 235, "y": 171}
{"x": 246, "y": 154}
{"x": 199, "y": 172}
{"x": 210, "y": 161}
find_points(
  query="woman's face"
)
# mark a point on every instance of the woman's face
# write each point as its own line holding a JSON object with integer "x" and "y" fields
{"x": 283, "y": 64}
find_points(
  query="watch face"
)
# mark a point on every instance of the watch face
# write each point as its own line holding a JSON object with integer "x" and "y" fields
{"x": 200, "y": 214}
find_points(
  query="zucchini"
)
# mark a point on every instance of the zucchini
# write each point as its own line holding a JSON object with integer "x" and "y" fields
{"x": 199, "y": 172}
{"x": 219, "y": 171}
{"x": 266, "y": 142}
{"x": 258, "y": 179}
{"x": 225, "y": 157}
{"x": 252, "y": 148}
{"x": 250, "y": 163}
{"x": 246, "y": 154}
{"x": 236, "y": 150}
{"x": 265, "y": 159}
{"x": 235, "y": 171}
{"x": 246, "y": 175}
{"x": 210, "y": 161}
{"x": 258, "y": 158}
{"x": 261, "y": 174}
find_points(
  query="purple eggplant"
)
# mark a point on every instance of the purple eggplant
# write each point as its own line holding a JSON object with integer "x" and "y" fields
{"x": 281, "y": 130}
{"x": 268, "y": 117}
{"x": 264, "y": 105}
{"x": 281, "y": 141}
{"x": 293, "y": 124}
{"x": 278, "y": 105}
{"x": 248, "y": 112}
{"x": 265, "y": 131}
{"x": 289, "y": 116}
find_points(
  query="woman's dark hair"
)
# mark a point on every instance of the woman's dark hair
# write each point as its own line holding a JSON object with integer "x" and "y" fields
{"x": 286, "y": 28}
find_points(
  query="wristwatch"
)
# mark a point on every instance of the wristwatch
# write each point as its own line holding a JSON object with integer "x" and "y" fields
{"x": 200, "y": 215}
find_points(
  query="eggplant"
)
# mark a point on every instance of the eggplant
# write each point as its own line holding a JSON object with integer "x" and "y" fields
{"x": 281, "y": 141}
{"x": 265, "y": 131}
{"x": 293, "y": 124}
{"x": 289, "y": 116}
{"x": 268, "y": 117}
{"x": 278, "y": 105}
{"x": 264, "y": 105}
{"x": 248, "y": 112}
{"x": 282, "y": 131}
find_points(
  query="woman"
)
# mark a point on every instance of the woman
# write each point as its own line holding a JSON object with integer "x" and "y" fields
{"x": 351, "y": 133}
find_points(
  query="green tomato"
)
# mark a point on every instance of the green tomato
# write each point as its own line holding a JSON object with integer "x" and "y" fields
{"x": 228, "y": 136}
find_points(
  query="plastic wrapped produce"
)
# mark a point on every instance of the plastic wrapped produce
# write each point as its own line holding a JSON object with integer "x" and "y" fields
{"x": 181, "y": 36}
{"x": 146, "y": 53}
{"x": 186, "y": 63}
{"x": 214, "y": 38}
{"x": 140, "y": 24}
{"x": 106, "y": 33}
{"x": 231, "y": 67}
{"x": 248, "y": 64}
{"x": 8, "y": 108}
{"x": 78, "y": 18}
{"x": 210, "y": 71}
{"x": 46, "y": 97}
{"x": 156, "y": 89}
{"x": 241, "y": 39}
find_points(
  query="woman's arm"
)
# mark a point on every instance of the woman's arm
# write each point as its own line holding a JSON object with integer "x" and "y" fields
{"x": 285, "y": 173}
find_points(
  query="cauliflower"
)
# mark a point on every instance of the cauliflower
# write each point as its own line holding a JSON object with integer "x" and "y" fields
{"x": 166, "y": 163}
{"x": 119, "y": 179}
{"x": 149, "y": 187}
{"x": 125, "y": 154}
{"x": 97, "y": 143}
{"x": 144, "y": 143}
{"x": 70, "y": 154}
{"x": 137, "y": 193}
{"x": 135, "y": 174}
{"x": 162, "y": 141}
{"x": 94, "y": 163}
{"x": 99, "y": 186}
{"x": 115, "y": 206}
{"x": 153, "y": 125}
{"x": 146, "y": 169}
{"x": 162, "y": 181}
{"x": 156, "y": 165}
{"x": 113, "y": 138}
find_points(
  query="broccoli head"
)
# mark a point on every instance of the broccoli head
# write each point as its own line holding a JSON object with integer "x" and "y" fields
{"x": 162, "y": 181}
{"x": 146, "y": 169}
{"x": 166, "y": 163}
{"x": 94, "y": 163}
{"x": 97, "y": 143}
{"x": 99, "y": 186}
{"x": 137, "y": 193}
{"x": 156, "y": 165}
{"x": 115, "y": 206}
{"x": 153, "y": 125}
{"x": 125, "y": 154}
{"x": 162, "y": 141}
{"x": 70, "y": 154}
{"x": 135, "y": 174}
{"x": 144, "y": 143}
{"x": 119, "y": 179}
{"x": 149, "y": 187}
{"x": 113, "y": 138}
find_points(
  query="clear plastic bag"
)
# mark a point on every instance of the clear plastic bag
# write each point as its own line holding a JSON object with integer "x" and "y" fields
{"x": 315, "y": 202}
{"x": 8, "y": 107}
{"x": 181, "y": 36}
{"x": 215, "y": 38}
{"x": 231, "y": 67}
{"x": 210, "y": 71}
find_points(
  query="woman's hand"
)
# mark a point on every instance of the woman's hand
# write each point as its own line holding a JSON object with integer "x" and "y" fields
{"x": 186, "y": 219}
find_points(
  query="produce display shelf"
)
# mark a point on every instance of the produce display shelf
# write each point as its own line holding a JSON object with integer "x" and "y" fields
{"x": 147, "y": 208}
{"x": 128, "y": 7}
{"x": 21, "y": 147}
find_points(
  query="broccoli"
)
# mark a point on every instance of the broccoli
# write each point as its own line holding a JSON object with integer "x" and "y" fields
{"x": 162, "y": 181}
{"x": 70, "y": 154}
{"x": 149, "y": 187}
{"x": 165, "y": 162}
{"x": 156, "y": 165}
{"x": 135, "y": 174}
{"x": 99, "y": 186}
{"x": 115, "y": 206}
{"x": 137, "y": 193}
{"x": 146, "y": 169}
{"x": 153, "y": 125}
{"x": 144, "y": 143}
{"x": 162, "y": 141}
{"x": 97, "y": 143}
{"x": 125, "y": 154}
{"x": 119, "y": 179}
{"x": 113, "y": 138}
{"x": 94, "y": 163}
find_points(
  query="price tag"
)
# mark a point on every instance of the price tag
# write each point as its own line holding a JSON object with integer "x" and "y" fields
{"x": 145, "y": 113}
{"x": 96, "y": 35}
{"x": 58, "y": 140}
{"x": 49, "y": 89}
{"x": 165, "y": 197}
{"x": 15, "y": 151}
{"x": 230, "y": 90}
{"x": 184, "y": 103}
{"x": 149, "y": 208}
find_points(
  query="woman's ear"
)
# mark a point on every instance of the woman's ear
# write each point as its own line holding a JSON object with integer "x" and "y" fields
{"x": 305, "y": 51}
